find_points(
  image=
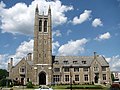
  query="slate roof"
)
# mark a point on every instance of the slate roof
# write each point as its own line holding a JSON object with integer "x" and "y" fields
{"x": 78, "y": 60}
{"x": 102, "y": 61}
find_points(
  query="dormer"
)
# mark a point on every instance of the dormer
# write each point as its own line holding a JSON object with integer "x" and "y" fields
{"x": 83, "y": 62}
{"x": 75, "y": 62}
{"x": 65, "y": 62}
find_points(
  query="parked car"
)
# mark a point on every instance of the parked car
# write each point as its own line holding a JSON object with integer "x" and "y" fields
{"x": 115, "y": 85}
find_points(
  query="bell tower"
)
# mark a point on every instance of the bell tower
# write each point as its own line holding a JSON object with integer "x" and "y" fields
{"x": 42, "y": 54}
{"x": 42, "y": 38}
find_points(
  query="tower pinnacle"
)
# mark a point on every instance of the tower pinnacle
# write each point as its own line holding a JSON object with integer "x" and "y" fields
{"x": 49, "y": 10}
{"x": 37, "y": 10}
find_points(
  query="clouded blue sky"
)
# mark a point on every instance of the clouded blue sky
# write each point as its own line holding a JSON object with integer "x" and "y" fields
{"x": 79, "y": 27}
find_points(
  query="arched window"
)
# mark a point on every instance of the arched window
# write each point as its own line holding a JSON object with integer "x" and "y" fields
{"x": 45, "y": 26}
{"x": 40, "y": 25}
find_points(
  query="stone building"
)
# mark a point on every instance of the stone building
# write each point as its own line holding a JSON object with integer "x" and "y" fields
{"x": 44, "y": 69}
{"x": 116, "y": 75}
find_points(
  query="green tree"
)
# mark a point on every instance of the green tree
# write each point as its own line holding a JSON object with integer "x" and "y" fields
{"x": 6, "y": 82}
{"x": 29, "y": 85}
{"x": 3, "y": 73}
{"x": 112, "y": 77}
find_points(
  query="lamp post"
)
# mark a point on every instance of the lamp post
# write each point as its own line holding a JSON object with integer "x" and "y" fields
{"x": 71, "y": 77}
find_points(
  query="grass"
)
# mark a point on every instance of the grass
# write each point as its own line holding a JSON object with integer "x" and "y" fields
{"x": 79, "y": 87}
{"x": 63, "y": 87}
{"x": 67, "y": 87}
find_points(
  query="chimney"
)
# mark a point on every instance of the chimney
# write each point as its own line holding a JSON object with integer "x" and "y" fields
{"x": 8, "y": 67}
{"x": 29, "y": 55}
{"x": 95, "y": 55}
{"x": 11, "y": 62}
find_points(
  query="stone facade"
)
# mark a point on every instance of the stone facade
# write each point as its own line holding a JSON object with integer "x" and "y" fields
{"x": 46, "y": 69}
{"x": 116, "y": 75}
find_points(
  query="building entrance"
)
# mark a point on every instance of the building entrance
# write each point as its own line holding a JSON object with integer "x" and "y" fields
{"x": 22, "y": 81}
{"x": 96, "y": 77}
{"x": 42, "y": 78}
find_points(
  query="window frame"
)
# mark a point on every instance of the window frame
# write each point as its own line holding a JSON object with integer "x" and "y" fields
{"x": 67, "y": 78}
{"x": 86, "y": 78}
{"x": 76, "y": 69}
{"x": 77, "y": 78}
{"x": 66, "y": 69}
{"x": 45, "y": 26}
{"x": 104, "y": 76}
{"x": 56, "y": 69}
{"x": 85, "y": 69}
{"x": 56, "y": 78}
{"x": 40, "y": 25}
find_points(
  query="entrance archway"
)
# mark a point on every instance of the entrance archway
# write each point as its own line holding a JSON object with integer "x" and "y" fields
{"x": 42, "y": 78}
{"x": 96, "y": 77}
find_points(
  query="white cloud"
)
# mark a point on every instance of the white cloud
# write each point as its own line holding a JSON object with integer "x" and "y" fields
{"x": 3, "y": 61}
{"x": 55, "y": 46}
{"x": 56, "y": 33}
{"x": 114, "y": 63}
{"x": 73, "y": 47}
{"x": 82, "y": 18}
{"x": 69, "y": 31}
{"x": 2, "y": 5}
{"x": 20, "y": 17}
{"x": 97, "y": 22}
{"x": 103, "y": 36}
{"x": 23, "y": 49}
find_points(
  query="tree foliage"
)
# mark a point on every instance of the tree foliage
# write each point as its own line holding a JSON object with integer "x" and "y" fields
{"x": 6, "y": 82}
{"x": 29, "y": 85}
{"x": 3, "y": 73}
{"x": 112, "y": 77}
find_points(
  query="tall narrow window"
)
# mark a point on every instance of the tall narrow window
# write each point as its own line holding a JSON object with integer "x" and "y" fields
{"x": 40, "y": 25}
{"x": 56, "y": 78}
{"x": 76, "y": 77}
{"x": 86, "y": 77}
{"x": 85, "y": 69}
{"x": 67, "y": 78}
{"x": 66, "y": 69}
{"x": 76, "y": 69}
{"x": 45, "y": 26}
{"x": 104, "y": 76}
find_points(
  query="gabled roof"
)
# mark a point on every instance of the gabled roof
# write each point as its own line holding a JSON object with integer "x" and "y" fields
{"x": 102, "y": 61}
{"x": 23, "y": 60}
{"x": 81, "y": 60}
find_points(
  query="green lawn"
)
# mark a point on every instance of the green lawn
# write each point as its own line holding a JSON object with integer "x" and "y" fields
{"x": 79, "y": 87}
{"x": 67, "y": 87}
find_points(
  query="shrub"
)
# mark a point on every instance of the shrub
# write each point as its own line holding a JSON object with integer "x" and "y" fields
{"x": 29, "y": 85}
{"x": 3, "y": 82}
{"x": 6, "y": 82}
